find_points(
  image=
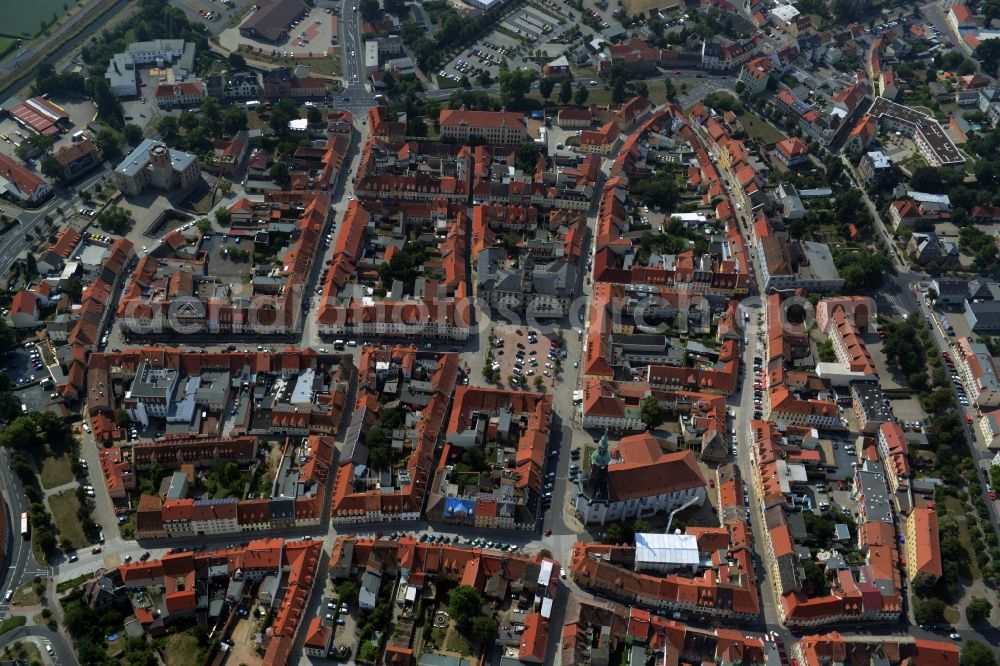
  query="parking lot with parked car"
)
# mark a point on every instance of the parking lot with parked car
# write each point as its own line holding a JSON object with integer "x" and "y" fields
{"x": 535, "y": 33}
{"x": 521, "y": 355}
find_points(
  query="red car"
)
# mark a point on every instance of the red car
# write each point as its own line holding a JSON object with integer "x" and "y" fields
{"x": 993, "y": 495}
{"x": 548, "y": 532}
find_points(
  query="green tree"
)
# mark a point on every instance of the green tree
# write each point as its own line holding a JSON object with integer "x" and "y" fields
{"x": 109, "y": 108}
{"x": 115, "y": 219}
{"x": 465, "y": 604}
{"x": 369, "y": 9}
{"x": 582, "y": 94}
{"x": 651, "y": 412}
{"x": 379, "y": 447}
{"x": 225, "y": 186}
{"x": 51, "y": 168}
{"x": 415, "y": 126}
{"x": 168, "y": 127}
{"x": 565, "y": 91}
{"x": 347, "y": 592}
{"x": 515, "y": 84}
{"x": 237, "y": 62}
{"x": 474, "y": 457}
{"x": 211, "y": 116}
{"x": 816, "y": 578}
{"x": 223, "y": 216}
{"x": 618, "y": 533}
{"x": 35, "y": 143}
{"x": 929, "y": 611}
{"x": 203, "y": 225}
{"x": 314, "y": 115}
{"x": 545, "y": 87}
{"x": 234, "y": 119}
{"x": 967, "y": 67}
{"x": 283, "y": 113}
{"x": 110, "y": 143}
{"x": 978, "y": 610}
{"x": 47, "y": 80}
{"x": 618, "y": 92}
{"x": 133, "y": 134}
{"x": 46, "y": 540}
{"x": 988, "y": 51}
{"x": 484, "y": 630}
{"x": 278, "y": 172}
{"x": 975, "y": 653}
{"x": 188, "y": 120}
{"x": 74, "y": 289}
{"x": 527, "y": 157}
{"x": 397, "y": 7}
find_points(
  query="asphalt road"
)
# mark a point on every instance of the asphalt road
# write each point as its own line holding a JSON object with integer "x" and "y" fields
{"x": 16, "y": 241}
{"x": 63, "y": 652}
{"x": 359, "y": 99}
{"x": 22, "y": 566}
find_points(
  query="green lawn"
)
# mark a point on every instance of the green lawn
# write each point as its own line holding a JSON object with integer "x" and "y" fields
{"x": 959, "y": 510}
{"x": 26, "y": 17}
{"x": 444, "y": 83}
{"x": 72, "y": 582}
{"x": 456, "y": 642}
{"x": 12, "y": 622}
{"x": 28, "y": 651}
{"x": 951, "y": 615}
{"x": 204, "y": 203}
{"x": 56, "y": 470}
{"x": 26, "y": 596}
{"x": 587, "y": 452}
{"x": 182, "y": 650}
{"x": 6, "y": 45}
{"x": 64, "y": 507}
{"x": 318, "y": 66}
{"x": 759, "y": 129}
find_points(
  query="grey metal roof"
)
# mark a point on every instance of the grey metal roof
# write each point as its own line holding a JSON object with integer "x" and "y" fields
{"x": 873, "y": 493}
{"x": 137, "y": 160}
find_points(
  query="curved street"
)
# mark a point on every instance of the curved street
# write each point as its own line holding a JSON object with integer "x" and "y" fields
{"x": 63, "y": 653}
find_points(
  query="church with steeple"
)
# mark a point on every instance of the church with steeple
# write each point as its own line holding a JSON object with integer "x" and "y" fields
{"x": 639, "y": 481}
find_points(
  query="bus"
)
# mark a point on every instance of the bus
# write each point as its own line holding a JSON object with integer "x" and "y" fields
{"x": 25, "y": 527}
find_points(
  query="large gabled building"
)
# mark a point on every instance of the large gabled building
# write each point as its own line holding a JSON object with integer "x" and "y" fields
{"x": 498, "y": 128}
{"x": 272, "y": 20}
{"x": 641, "y": 481}
{"x": 19, "y": 183}
{"x": 153, "y": 165}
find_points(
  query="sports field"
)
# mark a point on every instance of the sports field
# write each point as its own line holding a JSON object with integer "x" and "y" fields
{"x": 24, "y": 19}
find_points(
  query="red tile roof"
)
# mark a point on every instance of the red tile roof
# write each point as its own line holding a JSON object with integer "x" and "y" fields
{"x": 27, "y": 181}
{"x": 24, "y": 303}
{"x": 927, "y": 547}
{"x": 793, "y": 147}
{"x": 189, "y": 89}
{"x": 480, "y": 119}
